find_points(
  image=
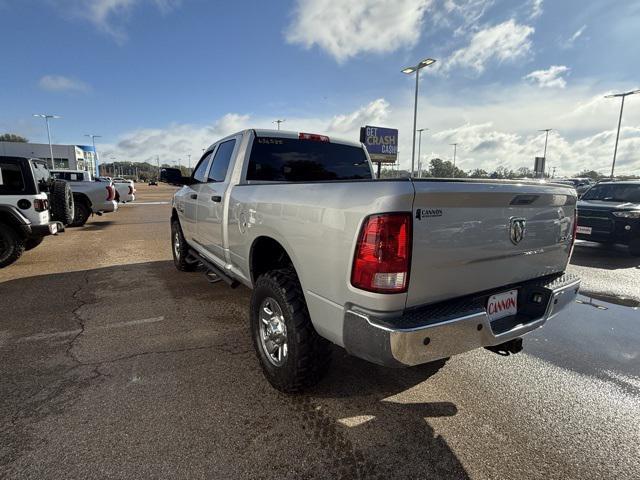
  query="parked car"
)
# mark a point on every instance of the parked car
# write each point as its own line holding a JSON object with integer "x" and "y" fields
{"x": 32, "y": 205}
{"x": 91, "y": 197}
{"x": 580, "y": 184}
{"x": 609, "y": 212}
{"x": 399, "y": 272}
{"x": 153, "y": 183}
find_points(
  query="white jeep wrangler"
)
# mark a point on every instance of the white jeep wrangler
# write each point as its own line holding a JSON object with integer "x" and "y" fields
{"x": 32, "y": 205}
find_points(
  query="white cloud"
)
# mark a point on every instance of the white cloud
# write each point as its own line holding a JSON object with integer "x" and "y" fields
{"x": 535, "y": 8}
{"x": 576, "y": 35}
{"x": 468, "y": 11}
{"x": 108, "y": 15}
{"x": 60, "y": 83}
{"x": 345, "y": 29}
{"x": 374, "y": 112}
{"x": 549, "y": 78}
{"x": 488, "y": 124}
{"x": 507, "y": 41}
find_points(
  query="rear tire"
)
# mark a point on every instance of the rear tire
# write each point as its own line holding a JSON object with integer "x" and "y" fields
{"x": 62, "y": 204}
{"x": 180, "y": 249}
{"x": 31, "y": 243}
{"x": 81, "y": 215}
{"x": 11, "y": 245}
{"x": 291, "y": 353}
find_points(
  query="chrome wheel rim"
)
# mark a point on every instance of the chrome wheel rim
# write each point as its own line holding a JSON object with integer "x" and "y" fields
{"x": 273, "y": 332}
{"x": 176, "y": 245}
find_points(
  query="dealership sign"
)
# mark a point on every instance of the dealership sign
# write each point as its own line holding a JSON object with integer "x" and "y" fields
{"x": 381, "y": 143}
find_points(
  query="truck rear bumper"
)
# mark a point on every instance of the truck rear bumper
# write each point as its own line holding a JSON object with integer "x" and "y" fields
{"x": 439, "y": 331}
{"x": 49, "y": 228}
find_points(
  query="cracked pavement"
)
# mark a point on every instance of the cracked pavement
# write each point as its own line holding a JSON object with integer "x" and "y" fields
{"x": 115, "y": 365}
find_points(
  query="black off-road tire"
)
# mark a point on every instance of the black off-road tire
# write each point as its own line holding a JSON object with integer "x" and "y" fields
{"x": 81, "y": 214}
{"x": 62, "y": 204}
{"x": 31, "y": 243}
{"x": 634, "y": 247}
{"x": 180, "y": 253}
{"x": 11, "y": 245}
{"x": 309, "y": 356}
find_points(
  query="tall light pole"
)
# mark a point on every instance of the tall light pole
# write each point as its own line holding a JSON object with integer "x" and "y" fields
{"x": 615, "y": 149}
{"x": 420, "y": 130}
{"x": 189, "y": 155}
{"x": 455, "y": 148}
{"x": 546, "y": 139}
{"x": 409, "y": 70}
{"x": 95, "y": 151}
{"x": 46, "y": 120}
{"x": 278, "y": 122}
{"x": 115, "y": 173}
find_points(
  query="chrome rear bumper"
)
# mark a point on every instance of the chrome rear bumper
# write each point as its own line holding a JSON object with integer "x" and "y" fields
{"x": 439, "y": 331}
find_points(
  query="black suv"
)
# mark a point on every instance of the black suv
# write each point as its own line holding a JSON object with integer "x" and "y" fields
{"x": 32, "y": 205}
{"x": 609, "y": 212}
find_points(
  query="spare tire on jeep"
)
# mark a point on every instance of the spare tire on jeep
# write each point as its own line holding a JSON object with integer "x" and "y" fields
{"x": 61, "y": 199}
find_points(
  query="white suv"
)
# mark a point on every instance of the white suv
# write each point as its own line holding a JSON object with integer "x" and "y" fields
{"x": 32, "y": 205}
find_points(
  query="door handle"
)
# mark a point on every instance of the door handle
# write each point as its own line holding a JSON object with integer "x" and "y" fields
{"x": 216, "y": 198}
{"x": 193, "y": 196}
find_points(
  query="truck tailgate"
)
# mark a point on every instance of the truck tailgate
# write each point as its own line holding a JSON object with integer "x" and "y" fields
{"x": 467, "y": 236}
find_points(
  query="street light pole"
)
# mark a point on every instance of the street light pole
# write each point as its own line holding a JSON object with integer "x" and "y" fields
{"x": 278, "y": 122}
{"x": 95, "y": 151}
{"x": 615, "y": 149}
{"x": 409, "y": 70}
{"x": 189, "y": 169}
{"x": 546, "y": 139}
{"x": 455, "y": 147}
{"x": 46, "y": 120}
{"x": 419, "y": 151}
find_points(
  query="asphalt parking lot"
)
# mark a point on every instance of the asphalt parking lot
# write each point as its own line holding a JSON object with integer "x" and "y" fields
{"x": 115, "y": 365}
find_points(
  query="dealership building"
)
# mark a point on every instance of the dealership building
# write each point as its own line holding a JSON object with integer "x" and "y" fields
{"x": 66, "y": 157}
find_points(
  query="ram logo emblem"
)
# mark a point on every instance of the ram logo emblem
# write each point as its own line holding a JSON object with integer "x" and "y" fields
{"x": 517, "y": 229}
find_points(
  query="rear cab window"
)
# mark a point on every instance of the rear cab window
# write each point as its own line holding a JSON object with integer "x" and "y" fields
{"x": 277, "y": 159}
{"x": 41, "y": 174}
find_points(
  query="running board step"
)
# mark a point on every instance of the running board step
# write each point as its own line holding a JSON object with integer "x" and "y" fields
{"x": 213, "y": 272}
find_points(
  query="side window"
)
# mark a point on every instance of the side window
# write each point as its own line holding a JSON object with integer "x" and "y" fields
{"x": 200, "y": 173}
{"x": 221, "y": 161}
{"x": 11, "y": 178}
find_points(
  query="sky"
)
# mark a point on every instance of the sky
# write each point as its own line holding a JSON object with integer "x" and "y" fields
{"x": 169, "y": 77}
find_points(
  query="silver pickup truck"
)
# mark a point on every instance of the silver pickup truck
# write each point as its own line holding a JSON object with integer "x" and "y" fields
{"x": 90, "y": 196}
{"x": 398, "y": 272}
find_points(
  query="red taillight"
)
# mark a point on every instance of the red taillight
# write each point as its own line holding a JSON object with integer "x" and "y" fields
{"x": 40, "y": 205}
{"x": 313, "y": 137}
{"x": 111, "y": 193}
{"x": 383, "y": 254}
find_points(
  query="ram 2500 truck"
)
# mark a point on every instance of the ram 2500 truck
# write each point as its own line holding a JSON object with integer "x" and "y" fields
{"x": 398, "y": 272}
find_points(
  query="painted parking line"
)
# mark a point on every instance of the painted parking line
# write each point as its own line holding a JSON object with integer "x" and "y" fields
{"x": 133, "y": 204}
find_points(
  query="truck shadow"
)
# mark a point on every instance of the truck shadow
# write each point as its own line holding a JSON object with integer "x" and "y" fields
{"x": 610, "y": 257}
{"x": 184, "y": 337}
{"x": 379, "y": 417}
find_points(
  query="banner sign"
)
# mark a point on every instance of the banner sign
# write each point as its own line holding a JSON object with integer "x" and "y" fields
{"x": 381, "y": 143}
{"x": 538, "y": 166}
